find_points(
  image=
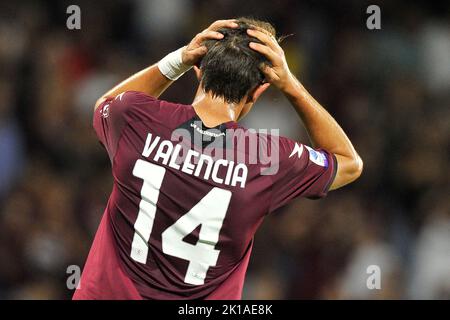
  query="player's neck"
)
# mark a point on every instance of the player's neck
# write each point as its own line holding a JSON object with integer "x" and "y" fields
{"x": 214, "y": 111}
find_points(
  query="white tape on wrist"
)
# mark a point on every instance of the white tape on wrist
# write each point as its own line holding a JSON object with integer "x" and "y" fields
{"x": 172, "y": 65}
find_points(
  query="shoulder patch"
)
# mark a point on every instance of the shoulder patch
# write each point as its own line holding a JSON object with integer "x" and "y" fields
{"x": 317, "y": 157}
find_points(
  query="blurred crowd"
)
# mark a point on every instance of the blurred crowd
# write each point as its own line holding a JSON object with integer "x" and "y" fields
{"x": 388, "y": 88}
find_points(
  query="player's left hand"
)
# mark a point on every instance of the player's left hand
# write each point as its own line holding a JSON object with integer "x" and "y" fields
{"x": 278, "y": 72}
{"x": 195, "y": 50}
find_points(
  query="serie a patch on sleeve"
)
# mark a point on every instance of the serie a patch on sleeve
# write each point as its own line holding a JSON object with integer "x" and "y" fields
{"x": 318, "y": 157}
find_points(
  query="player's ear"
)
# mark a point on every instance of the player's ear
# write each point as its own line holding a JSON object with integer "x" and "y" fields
{"x": 253, "y": 96}
{"x": 198, "y": 73}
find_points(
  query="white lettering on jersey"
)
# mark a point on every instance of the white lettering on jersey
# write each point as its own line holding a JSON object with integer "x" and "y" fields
{"x": 206, "y": 132}
{"x": 164, "y": 151}
{"x": 149, "y": 147}
{"x": 188, "y": 167}
{"x": 195, "y": 163}
{"x": 240, "y": 177}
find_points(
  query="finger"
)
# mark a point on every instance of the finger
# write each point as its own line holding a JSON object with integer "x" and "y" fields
{"x": 253, "y": 27}
{"x": 231, "y": 23}
{"x": 268, "y": 71}
{"x": 265, "y": 51}
{"x": 208, "y": 34}
{"x": 198, "y": 73}
{"x": 200, "y": 51}
{"x": 268, "y": 40}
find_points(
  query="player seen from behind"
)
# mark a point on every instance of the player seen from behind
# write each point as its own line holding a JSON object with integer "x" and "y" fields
{"x": 190, "y": 186}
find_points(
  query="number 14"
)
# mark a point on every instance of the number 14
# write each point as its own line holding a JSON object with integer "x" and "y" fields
{"x": 209, "y": 212}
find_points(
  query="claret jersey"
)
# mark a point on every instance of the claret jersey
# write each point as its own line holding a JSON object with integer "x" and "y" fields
{"x": 187, "y": 200}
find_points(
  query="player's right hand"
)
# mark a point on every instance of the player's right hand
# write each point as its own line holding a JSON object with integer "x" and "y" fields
{"x": 278, "y": 73}
{"x": 195, "y": 50}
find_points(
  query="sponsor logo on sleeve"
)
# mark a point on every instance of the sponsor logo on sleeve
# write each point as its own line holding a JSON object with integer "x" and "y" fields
{"x": 317, "y": 157}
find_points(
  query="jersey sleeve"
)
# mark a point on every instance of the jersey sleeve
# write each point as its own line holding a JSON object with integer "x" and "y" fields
{"x": 303, "y": 172}
{"x": 113, "y": 114}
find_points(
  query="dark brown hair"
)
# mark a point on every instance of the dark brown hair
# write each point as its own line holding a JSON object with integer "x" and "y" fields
{"x": 231, "y": 69}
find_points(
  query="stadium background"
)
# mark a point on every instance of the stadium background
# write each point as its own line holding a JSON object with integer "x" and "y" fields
{"x": 389, "y": 88}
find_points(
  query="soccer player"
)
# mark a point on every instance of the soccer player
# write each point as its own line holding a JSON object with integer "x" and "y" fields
{"x": 180, "y": 221}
